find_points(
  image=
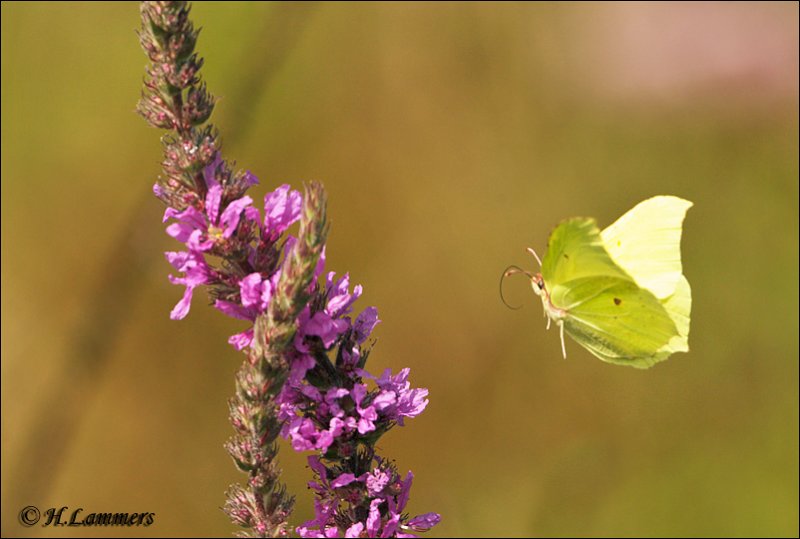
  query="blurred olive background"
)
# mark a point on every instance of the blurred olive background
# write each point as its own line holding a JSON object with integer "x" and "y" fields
{"x": 449, "y": 137}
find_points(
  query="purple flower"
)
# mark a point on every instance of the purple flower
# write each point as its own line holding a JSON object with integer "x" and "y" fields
{"x": 324, "y": 512}
{"x": 249, "y": 180}
{"x": 382, "y": 502}
{"x": 210, "y": 171}
{"x": 337, "y": 415}
{"x": 365, "y": 323}
{"x": 291, "y": 397}
{"x": 242, "y": 340}
{"x": 196, "y": 272}
{"x": 374, "y": 518}
{"x": 325, "y": 487}
{"x": 350, "y": 359}
{"x": 331, "y": 419}
{"x": 158, "y": 191}
{"x": 376, "y": 481}
{"x": 324, "y": 326}
{"x": 343, "y": 480}
{"x": 331, "y": 322}
{"x": 255, "y": 293}
{"x": 340, "y": 300}
{"x": 402, "y": 498}
{"x": 303, "y": 434}
{"x": 300, "y": 366}
{"x": 314, "y": 421}
{"x": 330, "y": 531}
{"x": 281, "y": 208}
{"x": 368, "y": 414}
{"x": 397, "y": 506}
{"x": 307, "y": 436}
{"x": 396, "y": 399}
{"x": 354, "y": 530}
{"x": 423, "y": 523}
{"x": 201, "y": 230}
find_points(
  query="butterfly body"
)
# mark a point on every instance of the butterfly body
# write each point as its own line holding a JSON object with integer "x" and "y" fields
{"x": 551, "y": 311}
{"x": 620, "y": 292}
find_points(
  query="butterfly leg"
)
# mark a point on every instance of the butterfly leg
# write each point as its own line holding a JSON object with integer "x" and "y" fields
{"x": 563, "y": 346}
{"x": 548, "y": 322}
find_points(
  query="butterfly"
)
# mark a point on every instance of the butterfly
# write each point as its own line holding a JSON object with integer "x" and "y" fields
{"x": 620, "y": 292}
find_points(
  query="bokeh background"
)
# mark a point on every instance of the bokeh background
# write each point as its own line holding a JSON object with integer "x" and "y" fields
{"x": 449, "y": 137}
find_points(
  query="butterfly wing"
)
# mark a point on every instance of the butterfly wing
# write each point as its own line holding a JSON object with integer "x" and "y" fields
{"x": 646, "y": 243}
{"x": 616, "y": 320}
{"x": 575, "y": 249}
{"x": 679, "y": 308}
{"x": 608, "y": 283}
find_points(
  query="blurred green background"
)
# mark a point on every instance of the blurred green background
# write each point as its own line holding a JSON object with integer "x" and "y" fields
{"x": 449, "y": 137}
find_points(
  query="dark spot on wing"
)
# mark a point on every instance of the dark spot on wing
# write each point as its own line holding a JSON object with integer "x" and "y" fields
{"x": 566, "y": 256}
{"x": 617, "y": 301}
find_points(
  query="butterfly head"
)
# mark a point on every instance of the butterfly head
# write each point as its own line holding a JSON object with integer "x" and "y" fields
{"x": 537, "y": 283}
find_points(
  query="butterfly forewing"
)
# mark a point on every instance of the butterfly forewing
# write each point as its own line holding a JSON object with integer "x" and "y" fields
{"x": 646, "y": 243}
{"x": 575, "y": 250}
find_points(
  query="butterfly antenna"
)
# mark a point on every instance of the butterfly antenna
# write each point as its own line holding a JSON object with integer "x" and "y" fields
{"x": 539, "y": 260}
{"x": 508, "y": 272}
{"x": 563, "y": 346}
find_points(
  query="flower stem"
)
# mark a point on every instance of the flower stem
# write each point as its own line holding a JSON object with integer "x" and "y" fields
{"x": 198, "y": 186}
{"x": 265, "y": 507}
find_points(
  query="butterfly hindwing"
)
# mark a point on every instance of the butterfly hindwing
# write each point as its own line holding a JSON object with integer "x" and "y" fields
{"x": 679, "y": 308}
{"x": 615, "y": 319}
